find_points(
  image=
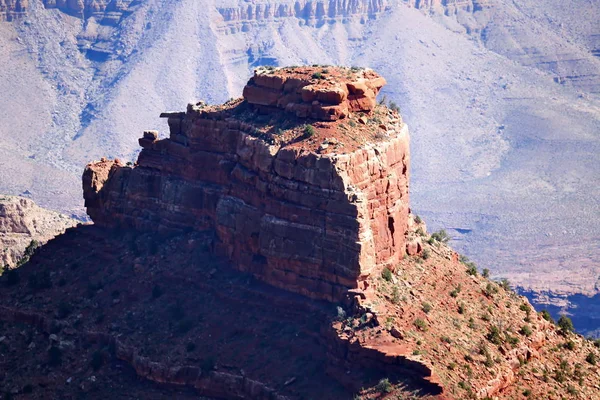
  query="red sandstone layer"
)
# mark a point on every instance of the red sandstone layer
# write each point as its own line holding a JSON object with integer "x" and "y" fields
{"x": 315, "y": 224}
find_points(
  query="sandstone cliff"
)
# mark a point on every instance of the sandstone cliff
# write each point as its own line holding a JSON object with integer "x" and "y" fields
{"x": 21, "y": 222}
{"x": 295, "y": 199}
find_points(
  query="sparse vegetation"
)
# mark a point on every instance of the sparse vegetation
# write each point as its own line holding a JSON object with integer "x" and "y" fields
{"x": 525, "y": 330}
{"x": 386, "y": 274}
{"x": 426, "y": 254}
{"x": 440, "y": 236}
{"x": 317, "y": 75}
{"x": 420, "y": 324}
{"x": 426, "y": 307}
{"x": 546, "y": 315}
{"x": 485, "y": 273}
{"x": 384, "y": 386}
{"x": 565, "y": 324}
{"x": 309, "y": 130}
{"x": 591, "y": 358}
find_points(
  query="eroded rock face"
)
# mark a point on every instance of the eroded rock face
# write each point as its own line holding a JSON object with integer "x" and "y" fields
{"x": 316, "y": 224}
{"x": 12, "y": 9}
{"x": 22, "y": 221}
{"x": 315, "y": 92}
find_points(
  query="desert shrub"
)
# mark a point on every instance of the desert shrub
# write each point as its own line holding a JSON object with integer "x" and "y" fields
{"x": 454, "y": 293}
{"x": 464, "y": 385}
{"x": 384, "y": 386}
{"x": 591, "y": 358}
{"x": 386, "y": 274}
{"x": 494, "y": 335}
{"x": 396, "y": 295}
{"x": 418, "y": 219}
{"x": 461, "y": 309}
{"x": 393, "y": 106}
{"x": 526, "y": 392}
{"x": 441, "y": 236}
{"x": 309, "y": 130}
{"x": 565, "y": 324}
{"x": 525, "y": 330}
{"x": 471, "y": 269}
{"x": 505, "y": 284}
{"x": 446, "y": 339}
{"x": 485, "y": 273}
{"x": 490, "y": 289}
{"x": 426, "y": 307}
{"x": 570, "y": 345}
{"x": 546, "y": 315}
{"x": 472, "y": 324}
{"x": 420, "y": 324}
{"x": 317, "y": 75}
{"x": 426, "y": 254}
{"x": 513, "y": 340}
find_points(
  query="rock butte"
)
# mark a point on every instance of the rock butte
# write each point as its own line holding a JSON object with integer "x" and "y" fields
{"x": 281, "y": 206}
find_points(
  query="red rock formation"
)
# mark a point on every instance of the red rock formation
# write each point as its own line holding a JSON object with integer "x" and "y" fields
{"x": 315, "y": 224}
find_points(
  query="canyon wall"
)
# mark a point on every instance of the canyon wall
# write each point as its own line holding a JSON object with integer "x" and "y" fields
{"x": 12, "y": 9}
{"x": 316, "y": 224}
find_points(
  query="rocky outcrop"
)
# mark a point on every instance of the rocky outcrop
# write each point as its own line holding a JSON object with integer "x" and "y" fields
{"x": 315, "y": 224}
{"x": 21, "y": 222}
{"x": 310, "y": 93}
{"x": 312, "y": 12}
{"x": 12, "y": 9}
{"x": 106, "y": 11}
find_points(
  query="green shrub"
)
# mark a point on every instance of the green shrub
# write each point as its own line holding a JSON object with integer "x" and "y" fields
{"x": 471, "y": 269}
{"x": 386, "y": 274}
{"x": 490, "y": 289}
{"x": 384, "y": 386}
{"x": 418, "y": 219}
{"x": 570, "y": 345}
{"x": 454, "y": 293}
{"x": 525, "y": 330}
{"x": 461, "y": 309}
{"x": 426, "y": 307}
{"x": 565, "y": 324}
{"x": 309, "y": 130}
{"x": 394, "y": 107}
{"x": 591, "y": 358}
{"x": 505, "y": 284}
{"x": 494, "y": 335}
{"x": 441, "y": 236}
{"x": 546, "y": 315}
{"x": 426, "y": 254}
{"x": 317, "y": 75}
{"x": 420, "y": 324}
{"x": 485, "y": 273}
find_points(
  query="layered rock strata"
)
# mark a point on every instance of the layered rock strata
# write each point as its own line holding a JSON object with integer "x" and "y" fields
{"x": 12, "y": 9}
{"x": 238, "y": 18}
{"x": 312, "y": 223}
